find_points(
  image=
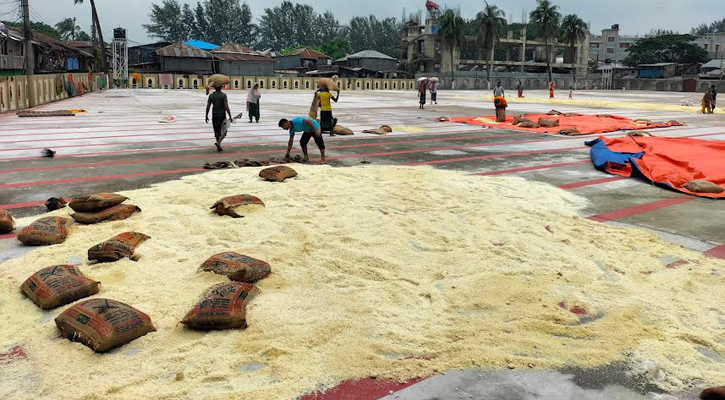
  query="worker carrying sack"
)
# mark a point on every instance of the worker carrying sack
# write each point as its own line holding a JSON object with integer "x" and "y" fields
{"x": 237, "y": 267}
{"x": 115, "y": 213}
{"x": 329, "y": 83}
{"x": 57, "y": 286}
{"x": 222, "y": 306}
{"x": 7, "y": 223}
{"x": 218, "y": 80}
{"x": 118, "y": 247}
{"x": 277, "y": 174}
{"x": 45, "y": 231}
{"x": 233, "y": 205}
{"x": 103, "y": 324}
{"x": 96, "y": 202}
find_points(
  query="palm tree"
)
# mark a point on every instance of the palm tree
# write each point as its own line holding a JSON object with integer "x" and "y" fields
{"x": 68, "y": 29}
{"x": 104, "y": 64}
{"x": 575, "y": 31}
{"x": 490, "y": 22}
{"x": 452, "y": 31}
{"x": 547, "y": 16}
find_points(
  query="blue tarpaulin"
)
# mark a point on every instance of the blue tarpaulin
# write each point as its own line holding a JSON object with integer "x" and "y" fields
{"x": 602, "y": 156}
{"x": 201, "y": 45}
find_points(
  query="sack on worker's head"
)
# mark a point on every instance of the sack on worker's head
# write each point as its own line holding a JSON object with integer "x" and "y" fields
{"x": 342, "y": 130}
{"x": 45, "y": 231}
{"x": 116, "y": 248}
{"x": 529, "y": 124}
{"x": 103, "y": 324}
{"x": 57, "y": 286}
{"x": 638, "y": 134}
{"x": 237, "y": 267}
{"x": 703, "y": 186}
{"x": 7, "y": 223}
{"x": 569, "y": 131}
{"x": 548, "y": 123}
{"x": 222, "y": 306}
{"x": 328, "y": 83}
{"x": 234, "y": 205}
{"x": 55, "y": 203}
{"x": 277, "y": 174}
{"x": 96, "y": 202}
{"x": 218, "y": 80}
{"x": 115, "y": 213}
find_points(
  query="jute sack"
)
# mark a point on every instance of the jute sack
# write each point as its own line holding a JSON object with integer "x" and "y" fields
{"x": 232, "y": 205}
{"x": 103, "y": 324}
{"x": 219, "y": 80}
{"x": 96, "y": 202}
{"x": 57, "y": 286}
{"x": 7, "y": 223}
{"x": 115, "y": 213}
{"x": 342, "y": 130}
{"x": 277, "y": 174}
{"x": 45, "y": 231}
{"x": 55, "y": 203}
{"x": 116, "y": 248}
{"x": 569, "y": 131}
{"x": 518, "y": 119}
{"x": 548, "y": 123}
{"x": 329, "y": 83}
{"x": 222, "y": 306}
{"x": 638, "y": 134}
{"x": 703, "y": 186}
{"x": 237, "y": 267}
{"x": 314, "y": 108}
{"x": 529, "y": 124}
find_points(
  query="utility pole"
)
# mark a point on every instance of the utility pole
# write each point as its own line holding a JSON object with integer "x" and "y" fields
{"x": 29, "y": 55}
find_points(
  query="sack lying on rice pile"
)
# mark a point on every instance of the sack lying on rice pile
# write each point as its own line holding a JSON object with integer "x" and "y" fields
{"x": 59, "y": 285}
{"x": 45, "y": 231}
{"x": 277, "y": 174}
{"x": 342, "y": 130}
{"x": 233, "y": 205}
{"x": 217, "y": 80}
{"x": 569, "y": 131}
{"x": 703, "y": 186}
{"x": 103, "y": 324}
{"x": 383, "y": 130}
{"x": 237, "y": 267}
{"x": 96, "y": 202}
{"x": 222, "y": 306}
{"x": 118, "y": 247}
{"x": 7, "y": 223}
{"x": 716, "y": 393}
{"x": 548, "y": 123}
{"x": 115, "y": 213}
{"x": 639, "y": 134}
{"x": 55, "y": 203}
{"x": 329, "y": 83}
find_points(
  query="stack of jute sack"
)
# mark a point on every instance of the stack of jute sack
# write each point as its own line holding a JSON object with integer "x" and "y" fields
{"x": 101, "y": 207}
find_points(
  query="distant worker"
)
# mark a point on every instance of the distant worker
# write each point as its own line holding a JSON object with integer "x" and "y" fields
{"x": 422, "y": 91}
{"x": 520, "y": 89}
{"x": 309, "y": 129}
{"x": 551, "y": 89}
{"x": 501, "y": 104}
{"x": 706, "y": 103}
{"x": 253, "y": 103}
{"x": 498, "y": 90}
{"x": 571, "y": 93}
{"x": 434, "y": 92}
{"x": 713, "y": 98}
{"x": 326, "y": 98}
{"x": 220, "y": 105}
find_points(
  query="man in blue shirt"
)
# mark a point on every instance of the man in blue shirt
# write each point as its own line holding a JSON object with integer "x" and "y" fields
{"x": 309, "y": 129}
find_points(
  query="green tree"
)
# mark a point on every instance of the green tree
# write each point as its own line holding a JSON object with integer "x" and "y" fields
{"x": 452, "y": 32}
{"x": 665, "y": 48}
{"x": 335, "y": 48}
{"x": 35, "y": 27}
{"x": 101, "y": 43}
{"x": 704, "y": 29}
{"x": 328, "y": 28}
{"x": 83, "y": 37}
{"x": 188, "y": 19}
{"x": 370, "y": 33}
{"x": 68, "y": 29}
{"x": 547, "y": 17}
{"x": 575, "y": 30}
{"x": 167, "y": 22}
{"x": 491, "y": 21}
{"x": 228, "y": 21}
{"x": 278, "y": 27}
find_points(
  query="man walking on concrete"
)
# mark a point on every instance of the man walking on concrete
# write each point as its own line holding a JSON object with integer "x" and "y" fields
{"x": 219, "y": 104}
{"x": 498, "y": 90}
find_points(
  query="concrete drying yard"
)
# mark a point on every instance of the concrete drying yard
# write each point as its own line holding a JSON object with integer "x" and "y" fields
{"x": 119, "y": 145}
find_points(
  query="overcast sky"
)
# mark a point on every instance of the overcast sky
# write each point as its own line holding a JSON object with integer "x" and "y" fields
{"x": 633, "y": 16}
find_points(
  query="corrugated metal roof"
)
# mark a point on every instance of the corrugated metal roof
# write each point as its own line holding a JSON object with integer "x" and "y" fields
{"x": 367, "y": 54}
{"x": 306, "y": 53}
{"x": 234, "y": 48}
{"x": 242, "y": 57}
{"x": 656, "y": 65}
{"x": 716, "y": 63}
{"x": 182, "y": 50}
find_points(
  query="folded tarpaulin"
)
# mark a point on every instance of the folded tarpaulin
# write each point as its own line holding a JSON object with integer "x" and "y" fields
{"x": 584, "y": 124}
{"x": 671, "y": 162}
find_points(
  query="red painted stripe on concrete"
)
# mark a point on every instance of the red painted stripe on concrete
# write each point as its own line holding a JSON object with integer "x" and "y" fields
{"x": 464, "y": 159}
{"x": 640, "y": 209}
{"x": 591, "y": 182}
{"x": 716, "y": 252}
{"x": 22, "y": 205}
{"x": 532, "y": 168}
{"x": 101, "y": 178}
{"x": 9, "y": 236}
{"x": 362, "y": 389}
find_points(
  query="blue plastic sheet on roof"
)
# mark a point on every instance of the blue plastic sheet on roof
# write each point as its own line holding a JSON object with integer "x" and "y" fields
{"x": 201, "y": 45}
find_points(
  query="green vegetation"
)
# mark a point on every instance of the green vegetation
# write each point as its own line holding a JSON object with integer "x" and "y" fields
{"x": 665, "y": 48}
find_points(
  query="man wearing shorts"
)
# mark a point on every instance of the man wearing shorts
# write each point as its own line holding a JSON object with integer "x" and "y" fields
{"x": 309, "y": 129}
{"x": 220, "y": 108}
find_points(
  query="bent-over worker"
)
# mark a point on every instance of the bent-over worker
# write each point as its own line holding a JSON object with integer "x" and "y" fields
{"x": 501, "y": 105}
{"x": 309, "y": 129}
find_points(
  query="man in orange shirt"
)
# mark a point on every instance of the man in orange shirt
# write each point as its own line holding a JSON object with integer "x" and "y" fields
{"x": 551, "y": 89}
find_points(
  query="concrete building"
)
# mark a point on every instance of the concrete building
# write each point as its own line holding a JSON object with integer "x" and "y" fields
{"x": 422, "y": 48}
{"x": 610, "y": 45}
{"x": 714, "y": 43}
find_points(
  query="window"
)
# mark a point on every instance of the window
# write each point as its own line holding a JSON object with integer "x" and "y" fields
{"x": 705, "y": 46}
{"x": 610, "y": 51}
{"x": 594, "y": 45}
{"x": 717, "y": 47}
{"x": 625, "y": 45}
{"x": 610, "y": 39}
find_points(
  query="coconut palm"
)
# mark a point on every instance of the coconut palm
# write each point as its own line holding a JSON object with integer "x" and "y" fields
{"x": 575, "y": 30}
{"x": 490, "y": 22}
{"x": 452, "y": 31}
{"x": 68, "y": 29}
{"x": 547, "y": 16}
{"x": 97, "y": 24}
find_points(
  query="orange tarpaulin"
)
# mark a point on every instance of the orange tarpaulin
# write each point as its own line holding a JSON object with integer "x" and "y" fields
{"x": 585, "y": 124}
{"x": 672, "y": 162}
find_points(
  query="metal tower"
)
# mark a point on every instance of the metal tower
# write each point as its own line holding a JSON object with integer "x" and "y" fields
{"x": 120, "y": 55}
